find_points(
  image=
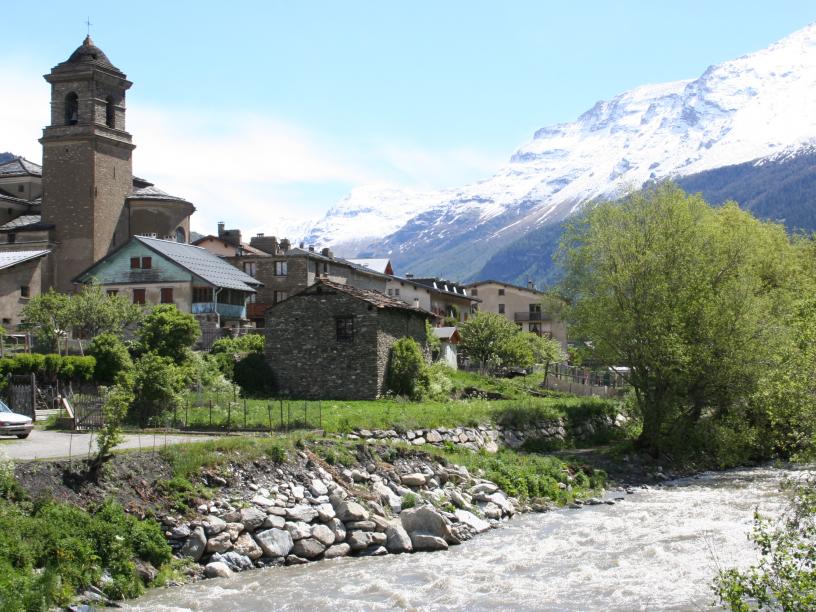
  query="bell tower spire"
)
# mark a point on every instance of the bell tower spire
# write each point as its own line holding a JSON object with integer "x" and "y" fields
{"x": 87, "y": 161}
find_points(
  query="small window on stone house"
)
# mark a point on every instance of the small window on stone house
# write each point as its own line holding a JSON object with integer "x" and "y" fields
{"x": 345, "y": 329}
{"x": 501, "y": 308}
{"x": 6, "y": 321}
{"x": 71, "y": 109}
{"x": 135, "y": 263}
{"x": 112, "y": 292}
{"x": 501, "y": 291}
{"x": 281, "y": 268}
{"x": 138, "y": 296}
{"x": 250, "y": 268}
{"x": 396, "y": 292}
{"x": 167, "y": 295}
{"x": 390, "y": 292}
{"x": 25, "y": 291}
{"x": 474, "y": 292}
{"x": 21, "y": 188}
{"x": 181, "y": 235}
{"x": 110, "y": 112}
{"x": 147, "y": 263}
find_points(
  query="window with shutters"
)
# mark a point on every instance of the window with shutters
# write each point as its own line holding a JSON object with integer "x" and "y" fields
{"x": 167, "y": 295}
{"x": 138, "y": 296}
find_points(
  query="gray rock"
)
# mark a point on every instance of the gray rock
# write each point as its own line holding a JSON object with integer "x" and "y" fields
{"x": 484, "y": 487}
{"x": 297, "y": 491}
{"x": 388, "y": 497}
{"x": 260, "y": 500}
{"x": 325, "y": 512}
{"x": 374, "y": 551}
{"x": 298, "y": 530}
{"x": 426, "y": 520}
{"x": 272, "y": 520}
{"x": 234, "y": 530}
{"x": 338, "y": 528}
{"x": 418, "y": 441}
{"x": 308, "y": 548}
{"x": 323, "y": 534}
{"x": 338, "y": 550}
{"x": 252, "y": 518}
{"x": 491, "y": 510}
{"x": 195, "y": 544}
{"x": 276, "y": 511}
{"x": 302, "y": 513}
{"x": 459, "y": 500}
{"x": 295, "y": 560}
{"x": 146, "y": 571}
{"x": 397, "y": 539}
{"x": 378, "y": 538}
{"x": 237, "y": 562}
{"x": 247, "y": 547}
{"x": 181, "y": 532}
{"x": 361, "y": 525}
{"x": 380, "y": 523}
{"x": 349, "y": 511}
{"x": 217, "y": 569}
{"x": 413, "y": 480}
{"x": 274, "y": 542}
{"x": 219, "y": 543}
{"x": 425, "y": 541}
{"x": 433, "y": 437}
{"x": 318, "y": 487}
{"x": 213, "y": 525}
{"x": 471, "y": 520}
{"x": 359, "y": 540}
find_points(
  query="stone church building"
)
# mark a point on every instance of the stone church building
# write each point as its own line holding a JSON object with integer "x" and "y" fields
{"x": 84, "y": 202}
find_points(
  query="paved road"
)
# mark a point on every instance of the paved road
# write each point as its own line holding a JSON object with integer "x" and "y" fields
{"x": 43, "y": 444}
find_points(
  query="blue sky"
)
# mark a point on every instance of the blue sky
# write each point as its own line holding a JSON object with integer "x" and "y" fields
{"x": 277, "y": 109}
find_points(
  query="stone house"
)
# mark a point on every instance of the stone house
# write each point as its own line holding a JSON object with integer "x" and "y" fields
{"x": 530, "y": 309}
{"x": 333, "y": 341}
{"x": 284, "y": 269}
{"x": 154, "y": 271}
{"x": 441, "y": 297}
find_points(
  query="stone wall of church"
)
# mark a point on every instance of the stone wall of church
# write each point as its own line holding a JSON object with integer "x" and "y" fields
{"x": 14, "y": 283}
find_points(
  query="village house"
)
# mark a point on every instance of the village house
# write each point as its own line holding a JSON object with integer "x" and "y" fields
{"x": 333, "y": 340}
{"x": 284, "y": 270}
{"x": 445, "y": 299}
{"x": 83, "y": 202}
{"x": 154, "y": 271}
{"x": 525, "y": 306}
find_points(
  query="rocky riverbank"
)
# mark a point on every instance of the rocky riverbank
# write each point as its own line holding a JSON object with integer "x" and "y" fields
{"x": 305, "y": 510}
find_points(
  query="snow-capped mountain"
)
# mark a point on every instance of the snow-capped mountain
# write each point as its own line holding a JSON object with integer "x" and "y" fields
{"x": 759, "y": 105}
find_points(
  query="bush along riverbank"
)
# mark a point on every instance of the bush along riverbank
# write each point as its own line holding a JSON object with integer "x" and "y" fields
{"x": 232, "y": 504}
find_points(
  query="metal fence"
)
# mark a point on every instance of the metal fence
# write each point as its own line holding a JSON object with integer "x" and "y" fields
{"x": 22, "y": 394}
{"x": 226, "y": 412}
{"x": 88, "y": 414}
{"x": 584, "y": 381}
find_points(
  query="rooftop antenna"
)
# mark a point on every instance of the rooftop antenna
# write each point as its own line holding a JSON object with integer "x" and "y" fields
{"x": 88, "y": 24}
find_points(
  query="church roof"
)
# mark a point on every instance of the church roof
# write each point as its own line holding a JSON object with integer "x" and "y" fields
{"x": 88, "y": 52}
{"x": 151, "y": 192}
{"x": 12, "y": 258}
{"x": 202, "y": 263}
{"x": 20, "y": 166}
{"x": 25, "y": 222}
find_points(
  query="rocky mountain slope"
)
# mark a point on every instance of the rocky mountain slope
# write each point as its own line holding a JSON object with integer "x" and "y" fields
{"x": 761, "y": 106}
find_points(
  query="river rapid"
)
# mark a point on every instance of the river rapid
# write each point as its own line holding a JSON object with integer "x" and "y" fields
{"x": 657, "y": 550}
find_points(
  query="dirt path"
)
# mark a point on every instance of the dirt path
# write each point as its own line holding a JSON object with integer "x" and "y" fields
{"x": 43, "y": 444}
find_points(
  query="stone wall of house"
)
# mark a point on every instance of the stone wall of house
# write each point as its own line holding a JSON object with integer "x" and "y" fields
{"x": 27, "y": 274}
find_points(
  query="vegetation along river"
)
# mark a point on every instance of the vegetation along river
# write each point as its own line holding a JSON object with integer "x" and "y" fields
{"x": 657, "y": 550}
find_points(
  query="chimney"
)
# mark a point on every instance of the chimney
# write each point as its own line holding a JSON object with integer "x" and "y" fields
{"x": 416, "y": 303}
{"x": 530, "y": 284}
{"x": 260, "y": 234}
{"x": 301, "y": 244}
{"x": 285, "y": 245}
{"x": 267, "y": 244}
{"x": 221, "y": 227}
{"x": 311, "y": 248}
{"x": 327, "y": 252}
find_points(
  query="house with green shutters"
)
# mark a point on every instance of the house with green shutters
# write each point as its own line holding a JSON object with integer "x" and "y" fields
{"x": 154, "y": 271}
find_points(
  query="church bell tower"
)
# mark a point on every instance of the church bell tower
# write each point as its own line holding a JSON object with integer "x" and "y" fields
{"x": 87, "y": 162}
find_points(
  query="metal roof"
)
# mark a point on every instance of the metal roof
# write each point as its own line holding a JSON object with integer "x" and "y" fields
{"x": 152, "y": 192}
{"x": 202, "y": 263}
{"x": 9, "y": 259}
{"x": 375, "y": 298}
{"x": 25, "y": 222}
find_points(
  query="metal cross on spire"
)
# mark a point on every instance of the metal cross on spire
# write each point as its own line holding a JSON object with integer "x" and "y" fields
{"x": 89, "y": 24}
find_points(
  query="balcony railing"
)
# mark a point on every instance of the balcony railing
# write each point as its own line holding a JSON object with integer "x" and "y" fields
{"x": 227, "y": 311}
{"x": 521, "y": 317}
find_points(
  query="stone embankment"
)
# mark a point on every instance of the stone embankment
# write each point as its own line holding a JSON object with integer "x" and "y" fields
{"x": 305, "y": 510}
{"x": 492, "y": 437}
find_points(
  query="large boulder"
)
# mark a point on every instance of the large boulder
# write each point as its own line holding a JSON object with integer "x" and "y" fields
{"x": 303, "y": 513}
{"x": 219, "y": 543}
{"x": 471, "y": 520}
{"x": 397, "y": 539}
{"x": 237, "y": 562}
{"x": 273, "y": 520}
{"x": 308, "y": 548}
{"x": 338, "y": 528}
{"x": 388, "y": 497}
{"x": 427, "y": 542}
{"x": 338, "y": 550}
{"x": 325, "y": 512}
{"x": 217, "y": 569}
{"x": 349, "y": 511}
{"x": 213, "y": 525}
{"x": 274, "y": 542}
{"x": 247, "y": 547}
{"x": 193, "y": 548}
{"x": 359, "y": 540}
{"x": 428, "y": 521}
{"x": 298, "y": 530}
{"x": 252, "y": 518}
{"x": 318, "y": 487}
{"x": 414, "y": 480}
{"x": 323, "y": 534}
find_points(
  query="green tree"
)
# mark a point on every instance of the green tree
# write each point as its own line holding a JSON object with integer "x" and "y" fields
{"x": 168, "y": 332}
{"x": 112, "y": 357}
{"x": 688, "y": 296}
{"x": 434, "y": 344}
{"x": 93, "y": 311}
{"x": 485, "y": 336}
{"x": 157, "y": 386}
{"x": 253, "y": 374}
{"x": 48, "y": 316}
{"x": 407, "y": 371}
{"x": 118, "y": 400}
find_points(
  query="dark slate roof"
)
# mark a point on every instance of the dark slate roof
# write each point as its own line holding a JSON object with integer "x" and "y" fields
{"x": 202, "y": 263}
{"x": 477, "y": 284}
{"x": 88, "y": 52}
{"x": 139, "y": 182}
{"x": 152, "y": 192}
{"x": 441, "y": 286}
{"x": 375, "y": 298}
{"x": 9, "y": 259}
{"x": 5, "y": 196}
{"x": 346, "y": 262}
{"x": 20, "y": 166}
{"x": 25, "y": 223}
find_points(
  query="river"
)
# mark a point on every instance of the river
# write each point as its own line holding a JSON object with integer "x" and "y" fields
{"x": 657, "y": 550}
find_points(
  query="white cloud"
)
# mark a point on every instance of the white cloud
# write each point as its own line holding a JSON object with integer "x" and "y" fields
{"x": 257, "y": 172}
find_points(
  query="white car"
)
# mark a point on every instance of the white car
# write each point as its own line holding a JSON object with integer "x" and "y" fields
{"x": 13, "y": 424}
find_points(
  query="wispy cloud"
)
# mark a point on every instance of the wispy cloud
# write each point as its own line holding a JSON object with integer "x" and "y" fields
{"x": 257, "y": 172}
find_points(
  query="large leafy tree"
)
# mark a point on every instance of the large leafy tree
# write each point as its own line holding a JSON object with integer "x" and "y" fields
{"x": 487, "y": 338}
{"x": 169, "y": 332}
{"x": 48, "y": 316}
{"x": 692, "y": 298}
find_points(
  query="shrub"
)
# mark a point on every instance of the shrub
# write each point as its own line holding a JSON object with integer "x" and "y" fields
{"x": 407, "y": 372}
{"x": 157, "y": 384}
{"x": 440, "y": 385}
{"x": 168, "y": 332}
{"x": 111, "y": 356}
{"x": 254, "y": 376}
{"x": 409, "y": 500}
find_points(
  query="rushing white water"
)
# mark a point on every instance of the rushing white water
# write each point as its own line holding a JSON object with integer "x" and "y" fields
{"x": 657, "y": 550}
